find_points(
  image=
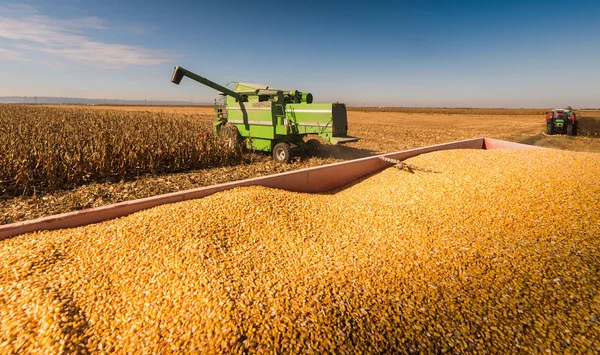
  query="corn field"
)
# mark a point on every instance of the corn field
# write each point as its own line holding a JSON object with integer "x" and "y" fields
{"x": 44, "y": 148}
{"x": 453, "y": 111}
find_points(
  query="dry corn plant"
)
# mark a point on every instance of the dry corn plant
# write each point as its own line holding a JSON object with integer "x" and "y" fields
{"x": 43, "y": 148}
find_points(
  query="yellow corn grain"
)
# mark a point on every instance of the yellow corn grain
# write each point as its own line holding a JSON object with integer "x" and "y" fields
{"x": 497, "y": 253}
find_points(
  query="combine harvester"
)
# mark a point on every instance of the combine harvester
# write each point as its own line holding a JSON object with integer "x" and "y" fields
{"x": 273, "y": 120}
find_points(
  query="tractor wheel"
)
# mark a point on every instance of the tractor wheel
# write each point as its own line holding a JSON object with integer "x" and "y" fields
{"x": 312, "y": 146}
{"x": 548, "y": 128}
{"x": 570, "y": 130}
{"x": 282, "y": 153}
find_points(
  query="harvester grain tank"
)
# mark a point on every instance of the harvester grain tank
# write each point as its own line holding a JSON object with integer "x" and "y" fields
{"x": 561, "y": 121}
{"x": 273, "y": 120}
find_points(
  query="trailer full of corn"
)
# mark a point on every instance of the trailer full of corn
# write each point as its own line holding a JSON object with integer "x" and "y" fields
{"x": 471, "y": 253}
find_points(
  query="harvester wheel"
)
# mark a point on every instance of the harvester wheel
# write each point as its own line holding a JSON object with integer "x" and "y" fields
{"x": 548, "y": 128}
{"x": 312, "y": 146}
{"x": 282, "y": 153}
{"x": 570, "y": 130}
{"x": 232, "y": 135}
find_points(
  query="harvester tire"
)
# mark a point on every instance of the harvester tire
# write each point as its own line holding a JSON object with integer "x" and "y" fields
{"x": 570, "y": 131}
{"x": 232, "y": 135}
{"x": 548, "y": 128}
{"x": 282, "y": 153}
{"x": 312, "y": 146}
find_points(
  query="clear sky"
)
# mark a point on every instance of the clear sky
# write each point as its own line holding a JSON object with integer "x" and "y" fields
{"x": 505, "y": 53}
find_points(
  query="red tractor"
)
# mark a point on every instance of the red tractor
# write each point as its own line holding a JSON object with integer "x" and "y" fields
{"x": 561, "y": 121}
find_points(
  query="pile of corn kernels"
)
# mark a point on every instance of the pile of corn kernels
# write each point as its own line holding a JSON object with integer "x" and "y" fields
{"x": 498, "y": 252}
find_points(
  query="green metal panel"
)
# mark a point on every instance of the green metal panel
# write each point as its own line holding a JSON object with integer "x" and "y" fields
{"x": 253, "y": 119}
{"x": 310, "y": 118}
{"x": 327, "y": 120}
{"x": 265, "y": 145}
{"x": 287, "y": 122}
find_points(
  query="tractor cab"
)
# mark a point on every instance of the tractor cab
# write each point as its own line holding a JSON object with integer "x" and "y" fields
{"x": 560, "y": 114}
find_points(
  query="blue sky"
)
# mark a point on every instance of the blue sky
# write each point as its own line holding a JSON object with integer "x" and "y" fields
{"x": 404, "y": 53}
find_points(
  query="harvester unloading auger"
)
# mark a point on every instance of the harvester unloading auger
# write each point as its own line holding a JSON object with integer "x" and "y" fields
{"x": 273, "y": 120}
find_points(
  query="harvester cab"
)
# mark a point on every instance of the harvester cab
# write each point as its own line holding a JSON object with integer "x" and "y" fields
{"x": 561, "y": 121}
{"x": 272, "y": 120}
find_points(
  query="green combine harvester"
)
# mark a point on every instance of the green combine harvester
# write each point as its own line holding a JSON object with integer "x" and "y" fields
{"x": 272, "y": 120}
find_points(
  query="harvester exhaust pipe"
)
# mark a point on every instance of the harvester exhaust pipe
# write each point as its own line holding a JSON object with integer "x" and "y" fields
{"x": 177, "y": 75}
